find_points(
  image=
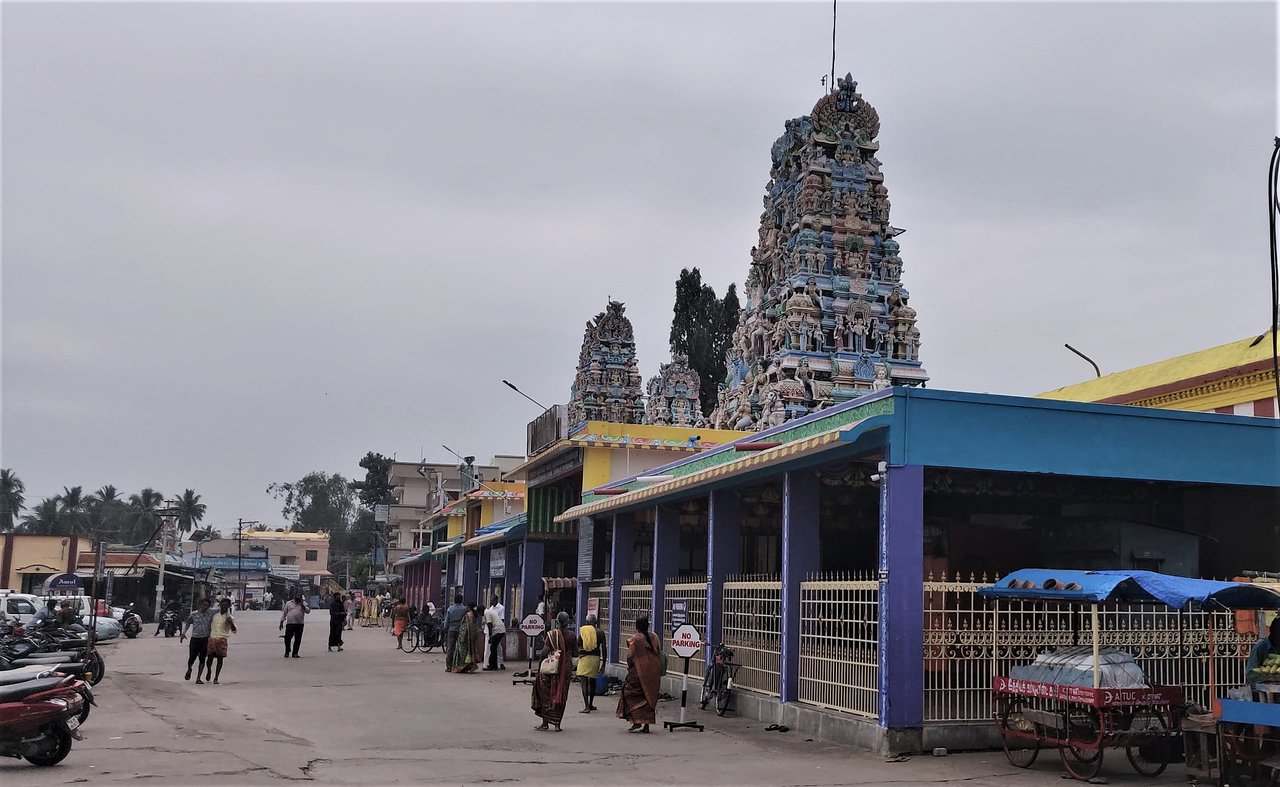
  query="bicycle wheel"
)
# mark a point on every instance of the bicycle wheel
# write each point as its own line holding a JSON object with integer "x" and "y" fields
{"x": 708, "y": 686}
{"x": 723, "y": 695}
{"x": 409, "y": 642}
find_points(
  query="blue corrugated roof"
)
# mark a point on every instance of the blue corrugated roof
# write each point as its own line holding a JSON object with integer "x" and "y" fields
{"x": 1131, "y": 586}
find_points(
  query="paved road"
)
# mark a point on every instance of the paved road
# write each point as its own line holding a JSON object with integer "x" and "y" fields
{"x": 372, "y": 715}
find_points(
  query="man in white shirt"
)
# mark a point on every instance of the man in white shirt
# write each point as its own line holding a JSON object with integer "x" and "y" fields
{"x": 494, "y": 617}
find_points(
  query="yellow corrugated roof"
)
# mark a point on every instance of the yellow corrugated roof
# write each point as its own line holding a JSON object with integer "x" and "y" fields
{"x": 1169, "y": 370}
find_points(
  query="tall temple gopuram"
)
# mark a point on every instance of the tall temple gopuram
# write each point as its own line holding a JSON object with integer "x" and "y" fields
{"x": 826, "y": 315}
{"x": 607, "y": 384}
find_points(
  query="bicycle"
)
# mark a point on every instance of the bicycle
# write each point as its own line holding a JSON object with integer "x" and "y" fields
{"x": 717, "y": 683}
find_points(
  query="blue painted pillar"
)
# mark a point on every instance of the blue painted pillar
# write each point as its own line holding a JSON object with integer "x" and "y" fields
{"x": 531, "y": 577}
{"x": 624, "y": 539}
{"x": 902, "y": 597}
{"x": 666, "y": 561}
{"x": 799, "y": 559}
{"x": 580, "y": 610}
{"x": 470, "y": 574}
{"x": 482, "y": 595}
{"x": 724, "y": 554}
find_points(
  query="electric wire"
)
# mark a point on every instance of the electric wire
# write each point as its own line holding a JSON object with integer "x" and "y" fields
{"x": 1273, "y": 208}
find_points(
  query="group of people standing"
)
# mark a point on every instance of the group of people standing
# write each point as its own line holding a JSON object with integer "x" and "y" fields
{"x": 638, "y": 702}
{"x": 468, "y": 629}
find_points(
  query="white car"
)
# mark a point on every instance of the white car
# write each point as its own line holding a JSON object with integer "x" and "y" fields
{"x": 21, "y": 607}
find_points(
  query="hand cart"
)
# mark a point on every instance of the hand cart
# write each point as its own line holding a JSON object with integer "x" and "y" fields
{"x": 1082, "y": 721}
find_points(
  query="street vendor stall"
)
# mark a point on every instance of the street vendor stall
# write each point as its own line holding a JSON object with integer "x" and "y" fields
{"x": 1088, "y": 698}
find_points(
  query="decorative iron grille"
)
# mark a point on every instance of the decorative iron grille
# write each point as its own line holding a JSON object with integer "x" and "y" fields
{"x": 840, "y": 643}
{"x": 636, "y": 600}
{"x": 967, "y": 641}
{"x": 751, "y": 626}
{"x": 599, "y": 590}
{"x": 693, "y": 592}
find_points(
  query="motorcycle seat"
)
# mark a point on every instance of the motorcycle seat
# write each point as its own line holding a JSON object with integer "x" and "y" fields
{"x": 64, "y": 655}
{"x": 17, "y": 691}
{"x": 43, "y": 662}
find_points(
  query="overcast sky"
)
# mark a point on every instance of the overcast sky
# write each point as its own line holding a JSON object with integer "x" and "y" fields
{"x": 245, "y": 242}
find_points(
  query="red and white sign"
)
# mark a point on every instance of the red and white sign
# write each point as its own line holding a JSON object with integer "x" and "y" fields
{"x": 686, "y": 641}
{"x": 533, "y": 626}
{"x": 593, "y": 606}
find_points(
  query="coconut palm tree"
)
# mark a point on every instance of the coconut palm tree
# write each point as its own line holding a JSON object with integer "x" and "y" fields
{"x": 104, "y": 512}
{"x": 144, "y": 514}
{"x": 190, "y": 511}
{"x": 12, "y": 497}
{"x": 74, "y": 505}
{"x": 45, "y": 518}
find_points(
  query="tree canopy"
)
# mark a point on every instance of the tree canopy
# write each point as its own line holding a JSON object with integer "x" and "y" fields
{"x": 702, "y": 328}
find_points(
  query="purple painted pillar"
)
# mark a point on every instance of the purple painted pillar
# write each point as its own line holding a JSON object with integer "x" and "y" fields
{"x": 531, "y": 576}
{"x": 482, "y": 594}
{"x": 902, "y": 597}
{"x": 580, "y": 609}
{"x": 799, "y": 559}
{"x": 666, "y": 561}
{"x": 511, "y": 574}
{"x": 724, "y": 554}
{"x": 470, "y": 574}
{"x": 624, "y": 539}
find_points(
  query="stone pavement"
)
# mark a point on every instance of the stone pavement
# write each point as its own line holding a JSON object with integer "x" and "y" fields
{"x": 372, "y": 715}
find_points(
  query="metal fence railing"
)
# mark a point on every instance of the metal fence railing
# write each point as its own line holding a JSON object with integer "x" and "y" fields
{"x": 636, "y": 600}
{"x": 840, "y": 643}
{"x": 516, "y": 610}
{"x": 598, "y": 591}
{"x": 967, "y": 641}
{"x": 692, "y": 592}
{"x": 751, "y": 625}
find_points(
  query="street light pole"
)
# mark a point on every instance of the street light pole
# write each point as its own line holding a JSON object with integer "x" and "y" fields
{"x": 165, "y": 517}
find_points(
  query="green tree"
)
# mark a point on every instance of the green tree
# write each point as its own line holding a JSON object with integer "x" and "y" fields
{"x": 12, "y": 498}
{"x": 375, "y": 489}
{"x": 74, "y": 506}
{"x": 144, "y": 516}
{"x": 317, "y": 502}
{"x": 45, "y": 519}
{"x": 190, "y": 511}
{"x": 702, "y": 329}
{"x": 104, "y": 511}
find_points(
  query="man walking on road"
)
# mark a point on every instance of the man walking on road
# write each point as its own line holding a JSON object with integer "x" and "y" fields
{"x": 199, "y": 621}
{"x": 291, "y": 621}
{"x": 452, "y": 625}
{"x": 494, "y": 617}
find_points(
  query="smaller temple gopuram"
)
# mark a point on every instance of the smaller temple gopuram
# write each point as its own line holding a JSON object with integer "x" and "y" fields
{"x": 826, "y": 316}
{"x": 674, "y": 395}
{"x": 607, "y": 385}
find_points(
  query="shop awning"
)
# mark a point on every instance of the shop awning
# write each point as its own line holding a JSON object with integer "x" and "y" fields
{"x": 447, "y": 547}
{"x": 1095, "y": 587}
{"x": 503, "y": 530}
{"x": 414, "y": 557}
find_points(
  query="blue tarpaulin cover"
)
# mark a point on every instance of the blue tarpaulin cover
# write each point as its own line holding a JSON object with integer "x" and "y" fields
{"x": 1131, "y": 586}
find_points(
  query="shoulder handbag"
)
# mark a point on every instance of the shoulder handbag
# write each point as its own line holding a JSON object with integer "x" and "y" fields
{"x": 551, "y": 664}
{"x": 662, "y": 659}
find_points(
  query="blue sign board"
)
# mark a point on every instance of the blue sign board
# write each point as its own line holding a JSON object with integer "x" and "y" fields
{"x": 62, "y": 585}
{"x": 233, "y": 563}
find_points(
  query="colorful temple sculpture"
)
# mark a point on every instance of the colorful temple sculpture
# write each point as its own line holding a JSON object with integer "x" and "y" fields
{"x": 674, "y": 397}
{"x": 607, "y": 385}
{"x": 826, "y": 316}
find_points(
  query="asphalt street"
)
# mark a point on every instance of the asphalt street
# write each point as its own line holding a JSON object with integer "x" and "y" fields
{"x": 373, "y": 715}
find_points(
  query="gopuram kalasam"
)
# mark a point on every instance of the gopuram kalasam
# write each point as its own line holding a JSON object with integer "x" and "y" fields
{"x": 607, "y": 385}
{"x": 826, "y": 316}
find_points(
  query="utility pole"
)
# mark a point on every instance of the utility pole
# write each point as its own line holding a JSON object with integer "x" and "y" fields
{"x": 165, "y": 518}
{"x": 240, "y": 523}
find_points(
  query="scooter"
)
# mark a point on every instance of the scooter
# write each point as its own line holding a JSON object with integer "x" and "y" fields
{"x": 39, "y": 719}
{"x": 20, "y": 675}
{"x": 131, "y": 623}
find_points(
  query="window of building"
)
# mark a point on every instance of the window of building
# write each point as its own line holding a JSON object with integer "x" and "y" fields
{"x": 288, "y": 560}
{"x": 312, "y": 555}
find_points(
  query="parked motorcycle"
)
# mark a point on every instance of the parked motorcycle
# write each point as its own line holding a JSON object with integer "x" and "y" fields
{"x": 131, "y": 622}
{"x": 170, "y": 622}
{"x": 50, "y": 647}
{"x": 39, "y": 719}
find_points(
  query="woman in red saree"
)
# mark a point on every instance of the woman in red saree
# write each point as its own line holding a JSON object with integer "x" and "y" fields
{"x": 551, "y": 689}
{"x": 639, "y": 701}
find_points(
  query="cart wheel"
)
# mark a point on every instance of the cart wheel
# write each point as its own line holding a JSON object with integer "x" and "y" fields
{"x": 1021, "y": 751}
{"x": 1152, "y": 757}
{"x": 1083, "y": 725}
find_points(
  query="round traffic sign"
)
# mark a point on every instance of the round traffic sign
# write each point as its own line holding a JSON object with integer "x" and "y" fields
{"x": 533, "y": 625}
{"x": 686, "y": 641}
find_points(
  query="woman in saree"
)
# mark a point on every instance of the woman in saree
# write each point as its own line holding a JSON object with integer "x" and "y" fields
{"x": 477, "y": 636}
{"x": 590, "y": 657}
{"x": 465, "y": 658}
{"x": 639, "y": 701}
{"x": 551, "y": 688}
